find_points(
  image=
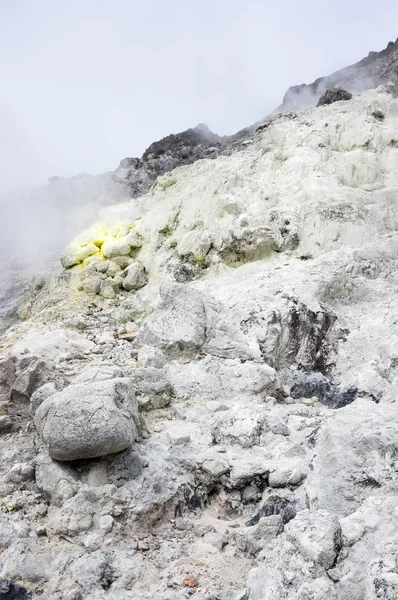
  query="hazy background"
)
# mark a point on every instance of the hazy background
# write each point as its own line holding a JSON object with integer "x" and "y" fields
{"x": 85, "y": 83}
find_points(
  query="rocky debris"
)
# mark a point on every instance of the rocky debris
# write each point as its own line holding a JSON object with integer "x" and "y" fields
{"x": 53, "y": 345}
{"x": 317, "y": 535}
{"x": 274, "y": 505}
{"x": 378, "y": 68}
{"x": 152, "y": 388}
{"x": 335, "y": 95}
{"x": 97, "y": 372}
{"x": 89, "y": 571}
{"x": 245, "y": 426}
{"x": 55, "y": 479}
{"x": 20, "y": 376}
{"x": 89, "y": 419}
{"x": 308, "y": 385}
{"x": 148, "y": 356}
{"x": 102, "y": 260}
{"x": 249, "y": 244}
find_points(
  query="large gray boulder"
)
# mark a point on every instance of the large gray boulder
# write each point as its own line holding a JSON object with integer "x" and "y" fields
{"x": 89, "y": 420}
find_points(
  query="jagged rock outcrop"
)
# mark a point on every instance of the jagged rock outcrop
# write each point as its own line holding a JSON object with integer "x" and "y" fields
{"x": 378, "y": 68}
{"x": 175, "y": 150}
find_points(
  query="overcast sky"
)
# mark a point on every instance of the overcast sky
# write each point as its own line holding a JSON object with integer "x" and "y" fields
{"x": 85, "y": 83}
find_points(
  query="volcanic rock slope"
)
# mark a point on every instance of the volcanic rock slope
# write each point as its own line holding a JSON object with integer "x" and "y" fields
{"x": 201, "y": 402}
{"x": 378, "y": 68}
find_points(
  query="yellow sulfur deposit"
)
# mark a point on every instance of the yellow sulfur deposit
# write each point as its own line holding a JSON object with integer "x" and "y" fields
{"x": 100, "y": 242}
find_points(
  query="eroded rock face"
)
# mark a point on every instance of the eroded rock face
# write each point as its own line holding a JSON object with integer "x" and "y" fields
{"x": 88, "y": 420}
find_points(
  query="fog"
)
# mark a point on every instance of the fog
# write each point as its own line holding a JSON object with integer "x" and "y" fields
{"x": 85, "y": 83}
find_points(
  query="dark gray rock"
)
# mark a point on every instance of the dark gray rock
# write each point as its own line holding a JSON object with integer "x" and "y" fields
{"x": 13, "y": 591}
{"x": 334, "y": 95}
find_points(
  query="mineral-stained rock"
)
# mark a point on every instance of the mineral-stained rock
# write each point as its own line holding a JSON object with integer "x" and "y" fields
{"x": 89, "y": 419}
{"x": 112, "y": 248}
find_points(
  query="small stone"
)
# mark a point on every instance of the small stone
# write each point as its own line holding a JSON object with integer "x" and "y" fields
{"x": 113, "y": 268}
{"x": 5, "y": 424}
{"x": 177, "y": 436}
{"x": 102, "y": 267}
{"x": 92, "y": 284}
{"x": 216, "y": 467}
{"x": 191, "y": 581}
{"x": 107, "y": 290}
{"x": 41, "y": 531}
{"x": 106, "y": 523}
{"x": 250, "y": 493}
{"x": 334, "y": 574}
{"x": 134, "y": 239}
{"x": 183, "y": 524}
{"x": 76, "y": 323}
{"x": 285, "y": 476}
{"x": 93, "y": 542}
{"x": 135, "y": 278}
{"x": 42, "y": 510}
{"x": 215, "y": 539}
{"x": 122, "y": 261}
{"x": 143, "y": 545}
